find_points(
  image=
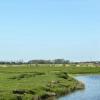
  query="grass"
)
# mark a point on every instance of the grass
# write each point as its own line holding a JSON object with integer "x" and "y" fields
{"x": 39, "y": 82}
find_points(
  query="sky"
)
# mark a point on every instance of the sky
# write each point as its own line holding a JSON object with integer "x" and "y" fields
{"x": 50, "y": 29}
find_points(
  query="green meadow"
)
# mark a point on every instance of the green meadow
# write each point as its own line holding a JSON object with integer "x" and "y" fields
{"x": 39, "y": 82}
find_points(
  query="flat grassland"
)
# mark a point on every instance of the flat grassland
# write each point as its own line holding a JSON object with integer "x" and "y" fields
{"x": 36, "y": 82}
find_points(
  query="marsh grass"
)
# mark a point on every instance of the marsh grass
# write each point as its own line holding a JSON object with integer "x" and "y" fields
{"x": 34, "y": 83}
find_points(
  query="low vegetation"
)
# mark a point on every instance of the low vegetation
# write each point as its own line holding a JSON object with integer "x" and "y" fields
{"x": 38, "y": 82}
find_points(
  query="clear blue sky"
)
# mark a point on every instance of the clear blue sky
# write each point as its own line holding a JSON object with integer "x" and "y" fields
{"x": 48, "y": 29}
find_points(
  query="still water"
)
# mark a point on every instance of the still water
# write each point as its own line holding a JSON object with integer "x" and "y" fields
{"x": 91, "y": 92}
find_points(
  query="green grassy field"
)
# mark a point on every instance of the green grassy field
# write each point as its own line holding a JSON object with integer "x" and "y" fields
{"x": 34, "y": 82}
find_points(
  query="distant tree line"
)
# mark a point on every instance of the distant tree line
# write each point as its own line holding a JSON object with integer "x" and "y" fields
{"x": 12, "y": 62}
{"x": 56, "y": 61}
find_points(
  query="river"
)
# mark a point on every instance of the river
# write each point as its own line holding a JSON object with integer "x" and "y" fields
{"x": 91, "y": 91}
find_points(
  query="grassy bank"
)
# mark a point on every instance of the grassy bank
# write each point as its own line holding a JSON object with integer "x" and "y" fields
{"x": 39, "y": 82}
